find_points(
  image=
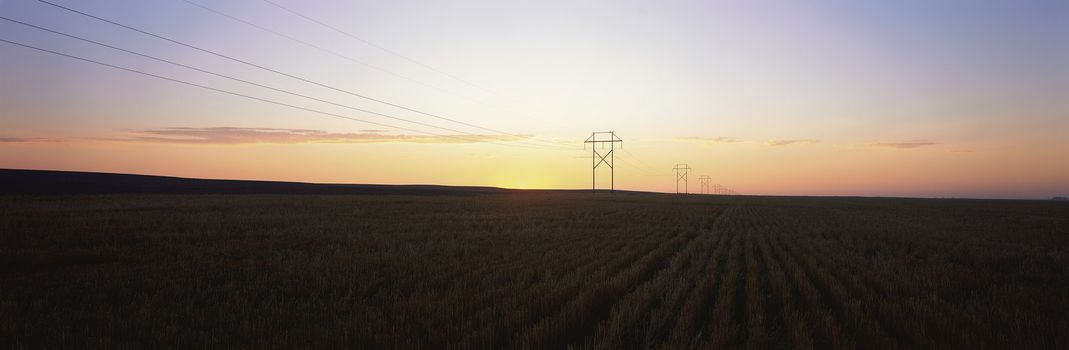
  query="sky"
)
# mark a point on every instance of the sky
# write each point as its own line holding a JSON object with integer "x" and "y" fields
{"x": 910, "y": 98}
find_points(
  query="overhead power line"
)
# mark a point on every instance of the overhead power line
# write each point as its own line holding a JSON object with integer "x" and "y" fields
{"x": 333, "y": 53}
{"x": 234, "y": 78}
{"x": 228, "y": 92}
{"x": 643, "y": 172}
{"x": 384, "y": 49}
{"x": 351, "y": 59}
{"x": 647, "y": 165}
{"x": 231, "y": 58}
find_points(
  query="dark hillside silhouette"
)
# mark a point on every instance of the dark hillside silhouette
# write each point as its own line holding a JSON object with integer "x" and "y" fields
{"x": 70, "y": 182}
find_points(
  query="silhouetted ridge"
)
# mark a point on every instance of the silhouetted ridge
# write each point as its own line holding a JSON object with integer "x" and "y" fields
{"x": 14, "y": 181}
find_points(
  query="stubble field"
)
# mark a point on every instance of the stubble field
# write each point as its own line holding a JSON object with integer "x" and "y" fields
{"x": 531, "y": 270}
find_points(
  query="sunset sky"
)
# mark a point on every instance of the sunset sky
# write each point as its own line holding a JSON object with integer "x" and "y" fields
{"x": 875, "y": 98}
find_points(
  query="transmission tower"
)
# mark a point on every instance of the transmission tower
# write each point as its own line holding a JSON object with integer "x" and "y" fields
{"x": 682, "y": 170}
{"x": 705, "y": 183}
{"x": 598, "y": 158}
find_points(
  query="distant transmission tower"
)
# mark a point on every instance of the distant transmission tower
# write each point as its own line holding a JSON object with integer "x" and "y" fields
{"x": 705, "y": 183}
{"x": 682, "y": 170}
{"x": 598, "y": 158}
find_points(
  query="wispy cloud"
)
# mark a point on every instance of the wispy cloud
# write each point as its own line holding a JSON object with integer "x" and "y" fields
{"x": 236, "y": 135}
{"x": 719, "y": 139}
{"x": 28, "y": 139}
{"x": 904, "y": 144}
{"x": 776, "y": 143}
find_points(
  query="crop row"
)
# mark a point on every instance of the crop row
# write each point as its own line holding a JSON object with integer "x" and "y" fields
{"x": 533, "y": 271}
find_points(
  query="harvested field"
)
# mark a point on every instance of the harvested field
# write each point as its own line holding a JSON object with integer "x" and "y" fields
{"x": 531, "y": 270}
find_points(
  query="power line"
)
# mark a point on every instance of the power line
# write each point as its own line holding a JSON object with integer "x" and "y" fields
{"x": 632, "y": 155}
{"x": 644, "y": 170}
{"x": 236, "y": 79}
{"x": 610, "y": 155}
{"x": 131, "y": 70}
{"x": 332, "y": 52}
{"x": 384, "y": 49}
{"x": 639, "y": 169}
{"x": 349, "y": 58}
{"x": 266, "y": 68}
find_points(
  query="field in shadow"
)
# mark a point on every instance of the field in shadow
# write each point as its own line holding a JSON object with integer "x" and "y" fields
{"x": 530, "y": 270}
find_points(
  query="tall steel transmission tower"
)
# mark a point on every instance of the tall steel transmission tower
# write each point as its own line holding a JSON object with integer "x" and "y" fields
{"x": 705, "y": 183}
{"x": 598, "y": 158}
{"x": 682, "y": 170}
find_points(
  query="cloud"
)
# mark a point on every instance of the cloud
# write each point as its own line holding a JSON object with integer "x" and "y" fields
{"x": 904, "y": 144}
{"x": 28, "y": 139}
{"x": 775, "y": 143}
{"x": 720, "y": 139}
{"x": 235, "y": 135}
